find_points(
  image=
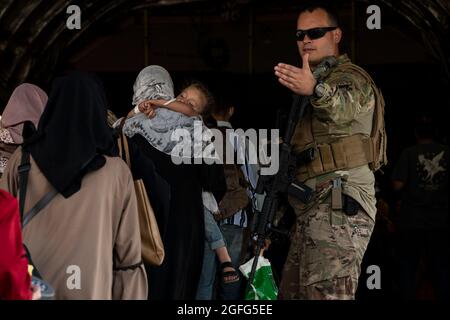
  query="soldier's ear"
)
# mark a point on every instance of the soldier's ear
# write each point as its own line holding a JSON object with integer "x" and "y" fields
{"x": 337, "y": 35}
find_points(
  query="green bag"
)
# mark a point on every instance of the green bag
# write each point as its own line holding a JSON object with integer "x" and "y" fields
{"x": 263, "y": 287}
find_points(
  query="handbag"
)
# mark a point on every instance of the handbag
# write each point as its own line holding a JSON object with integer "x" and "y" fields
{"x": 151, "y": 242}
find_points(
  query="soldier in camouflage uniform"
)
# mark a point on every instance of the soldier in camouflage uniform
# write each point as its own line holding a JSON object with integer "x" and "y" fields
{"x": 329, "y": 238}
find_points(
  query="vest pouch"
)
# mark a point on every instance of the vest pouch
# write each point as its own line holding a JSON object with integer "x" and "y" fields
{"x": 339, "y": 155}
{"x": 356, "y": 150}
{"x": 315, "y": 168}
{"x": 327, "y": 157}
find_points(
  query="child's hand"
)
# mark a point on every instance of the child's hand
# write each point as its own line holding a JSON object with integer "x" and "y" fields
{"x": 150, "y": 113}
{"x": 148, "y": 107}
{"x": 218, "y": 216}
{"x": 151, "y": 104}
{"x": 143, "y": 106}
{"x": 265, "y": 247}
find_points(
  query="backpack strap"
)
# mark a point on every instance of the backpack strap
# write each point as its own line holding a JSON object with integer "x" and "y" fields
{"x": 24, "y": 169}
{"x": 124, "y": 151}
{"x": 378, "y": 137}
{"x": 39, "y": 206}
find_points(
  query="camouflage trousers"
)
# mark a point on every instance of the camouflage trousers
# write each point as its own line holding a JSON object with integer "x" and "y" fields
{"x": 327, "y": 248}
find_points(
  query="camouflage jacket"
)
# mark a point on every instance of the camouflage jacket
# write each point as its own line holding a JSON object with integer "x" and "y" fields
{"x": 343, "y": 104}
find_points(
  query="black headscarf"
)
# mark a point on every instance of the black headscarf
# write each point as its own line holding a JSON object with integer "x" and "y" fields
{"x": 73, "y": 134}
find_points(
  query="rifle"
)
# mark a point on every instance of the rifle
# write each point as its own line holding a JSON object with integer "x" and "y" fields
{"x": 283, "y": 182}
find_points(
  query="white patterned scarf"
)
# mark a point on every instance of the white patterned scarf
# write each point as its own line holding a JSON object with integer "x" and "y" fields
{"x": 5, "y": 137}
{"x": 154, "y": 82}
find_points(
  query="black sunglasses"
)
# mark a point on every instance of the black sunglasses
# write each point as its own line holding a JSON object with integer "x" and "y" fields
{"x": 315, "y": 33}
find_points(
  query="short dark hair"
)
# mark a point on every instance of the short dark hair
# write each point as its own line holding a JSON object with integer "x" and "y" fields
{"x": 424, "y": 127}
{"x": 328, "y": 8}
{"x": 224, "y": 102}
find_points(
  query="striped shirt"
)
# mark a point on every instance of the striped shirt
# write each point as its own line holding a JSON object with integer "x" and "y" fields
{"x": 250, "y": 172}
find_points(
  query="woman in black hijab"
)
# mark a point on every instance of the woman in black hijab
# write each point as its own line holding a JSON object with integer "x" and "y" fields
{"x": 73, "y": 135}
{"x": 92, "y": 224}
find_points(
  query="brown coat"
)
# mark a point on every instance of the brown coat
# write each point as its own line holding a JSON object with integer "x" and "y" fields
{"x": 94, "y": 234}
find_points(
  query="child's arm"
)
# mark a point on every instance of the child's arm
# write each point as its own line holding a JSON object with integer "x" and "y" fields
{"x": 143, "y": 107}
{"x": 139, "y": 108}
{"x": 174, "y": 105}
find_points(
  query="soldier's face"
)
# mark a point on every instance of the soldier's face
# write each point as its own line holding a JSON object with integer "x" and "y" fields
{"x": 320, "y": 48}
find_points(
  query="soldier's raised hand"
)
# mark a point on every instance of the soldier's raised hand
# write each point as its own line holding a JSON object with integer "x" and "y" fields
{"x": 300, "y": 80}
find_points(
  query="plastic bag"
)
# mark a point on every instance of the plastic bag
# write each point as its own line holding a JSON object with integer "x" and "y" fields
{"x": 263, "y": 287}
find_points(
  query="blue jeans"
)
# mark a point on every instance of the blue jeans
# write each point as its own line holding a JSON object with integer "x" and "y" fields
{"x": 213, "y": 234}
{"x": 213, "y": 240}
{"x": 233, "y": 237}
{"x": 208, "y": 275}
{"x": 216, "y": 237}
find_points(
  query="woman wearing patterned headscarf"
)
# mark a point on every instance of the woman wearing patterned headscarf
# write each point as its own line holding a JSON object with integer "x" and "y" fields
{"x": 177, "y": 278}
{"x": 26, "y": 103}
{"x": 154, "y": 83}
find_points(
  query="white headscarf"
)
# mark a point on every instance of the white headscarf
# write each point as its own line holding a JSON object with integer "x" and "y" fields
{"x": 153, "y": 82}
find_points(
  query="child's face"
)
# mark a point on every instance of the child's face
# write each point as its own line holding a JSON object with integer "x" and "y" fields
{"x": 194, "y": 98}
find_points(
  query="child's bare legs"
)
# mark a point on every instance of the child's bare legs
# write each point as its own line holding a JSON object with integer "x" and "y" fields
{"x": 229, "y": 273}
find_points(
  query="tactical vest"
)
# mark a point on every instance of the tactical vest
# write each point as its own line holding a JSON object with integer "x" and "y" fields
{"x": 346, "y": 152}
